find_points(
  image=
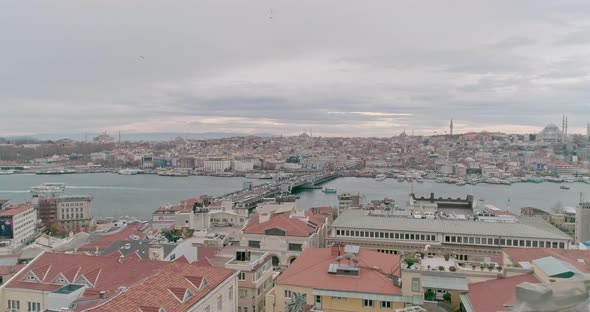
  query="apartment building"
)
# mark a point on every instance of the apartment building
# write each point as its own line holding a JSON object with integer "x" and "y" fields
{"x": 469, "y": 240}
{"x": 283, "y": 236}
{"x": 69, "y": 213}
{"x": 339, "y": 279}
{"x": 17, "y": 224}
{"x": 255, "y": 278}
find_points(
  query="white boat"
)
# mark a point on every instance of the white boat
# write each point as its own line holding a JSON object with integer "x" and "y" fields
{"x": 564, "y": 187}
{"x": 128, "y": 171}
{"x": 173, "y": 173}
{"x": 6, "y": 172}
{"x": 49, "y": 188}
{"x": 380, "y": 177}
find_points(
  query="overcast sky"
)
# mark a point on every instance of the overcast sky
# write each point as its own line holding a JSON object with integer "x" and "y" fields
{"x": 352, "y": 68}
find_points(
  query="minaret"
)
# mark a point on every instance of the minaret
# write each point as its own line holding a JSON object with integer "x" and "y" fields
{"x": 451, "y": 128}
{"x": 563, "y": 126}
{"x": 588, "y": 131}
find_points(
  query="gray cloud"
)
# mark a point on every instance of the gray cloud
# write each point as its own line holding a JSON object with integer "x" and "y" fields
{"x": 216, "y": 66}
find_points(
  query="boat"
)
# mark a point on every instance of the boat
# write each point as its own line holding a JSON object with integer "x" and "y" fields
{"x": 128, "y": 171}
{"x": 461, "y": 183}
{"x": 564, "y": 187}
{"x": 173, "y": 173}
{"x": 49, "y": 188}
{"x": 56, "y": 171}
{"x": 419, "y": 180}
{"x": 380, "y": 177}
{"x": 329, "y": 190}
{"x": 6, "y": 172}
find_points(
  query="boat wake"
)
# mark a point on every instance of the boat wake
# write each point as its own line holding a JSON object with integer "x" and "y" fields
{"x": 109, "y": 187}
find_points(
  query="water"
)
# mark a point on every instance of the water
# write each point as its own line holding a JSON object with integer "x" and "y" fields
{"x": 139, "y": 195}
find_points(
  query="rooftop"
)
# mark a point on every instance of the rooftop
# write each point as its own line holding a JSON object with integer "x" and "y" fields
{"x": 495, "y": 295}
{"x": 13, "y": 210}
{"x": 579, "y": 259}
{"x": 288, "y": 226}
{"x": 528, "y": 226}
{"x": 311, "y": 269}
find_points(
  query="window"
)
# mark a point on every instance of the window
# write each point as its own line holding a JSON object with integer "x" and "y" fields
{"x": 528, "y": 243}
{"x": 459, "y": 239}
{"x": 34, "y": 306}
{"x": 502, "y": 241}
{"x": 356, "y": 233}
{"x": 338, "y": 232}
{"x": 253, "y": 244}
{"x": 362, "y": 234}
{"x": 220, "y": 302}
{"x": 318, "y": 301}
{"x": 541, "y": 244}
{"x": 347, "y": 233}
{"x": 242, "y": 276}
{"x": 396, "y": 235}
{"x": 243, "y": 293}
{"x": 245, "y": 309}
{"x": 407, "y": 236}
{"x": 230, "y": 295}
{"x": 471, "y": 240}
{"x": 561, "y": 245}
{"x": 453, "y": 239}
{"x": 416, "y": 284}
{"x": 387, "y": 235}
{"x": 447, "y": 239}
{"x": 412, "y": 236}
{"x": 521, "y": 243}
{"x": 295, "y": 247}
{"x": 367, "y": 303}
{"x": 13, "y": 305}
{"x": 381, "y": 235}
{"x": 385, "y": 304}
{"x": 372, "y": 234}
{"x": 287, "y": 293}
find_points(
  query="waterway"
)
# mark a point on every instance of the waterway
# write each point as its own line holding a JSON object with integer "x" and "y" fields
{"x": 139, "y": 195}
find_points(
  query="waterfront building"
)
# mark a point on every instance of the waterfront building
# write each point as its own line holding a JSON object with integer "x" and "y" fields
{"x": 469, "y": 240}
{"x": 17, "y": 225}
{"x": 185, "y": 162}
{"x": 583, "y": 222}
{"x": 242, "y": 165}
{"x": 339, "y": 279}
{"x": 216, "y": 165}
{"x": 283, "y": 236}
{"x": 350, "y": 201}
{"x": 255, "y": 277}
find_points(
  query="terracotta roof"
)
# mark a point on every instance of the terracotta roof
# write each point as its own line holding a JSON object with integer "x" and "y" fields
{"x": 104, "y": 272}
{"x": 291, "y": 226}
{"x": 164, "y": 289}
{"x": 10, "y": 269}
{"x": 578, "y": 258}
{"x": 13, "y": 210}
{"x": 493, "y": 295}
{"x": 104, "y": 242}
{"x": 311, "y": 270}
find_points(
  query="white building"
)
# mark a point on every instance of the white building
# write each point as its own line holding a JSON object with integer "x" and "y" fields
{"x": 216, "y": 165}
{"x": 583, "y": 222}
{"x": 17, "y": 224}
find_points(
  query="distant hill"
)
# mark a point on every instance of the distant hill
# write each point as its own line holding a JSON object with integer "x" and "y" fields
{"x": 134, "y": 137}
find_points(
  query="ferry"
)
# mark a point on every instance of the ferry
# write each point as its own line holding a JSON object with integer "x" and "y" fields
{"x": 56, "y": 171}
{"x": 173, "y": 173}
{"x": 564, "y": 187}
{"x": 49, "y": 188}
{"x": 329, "y": 190}
{"x": 380, "y": 177}
{"x": 6, "y": 172}
{"x": 128, "y": 171}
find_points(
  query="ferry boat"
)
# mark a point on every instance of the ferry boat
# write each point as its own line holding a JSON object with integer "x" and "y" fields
{"x": 56, "y": 171}
{"x": 380, "y": 177}
{"x": 49, "y": 188}
{"x": 128, "y": 171}
{"x": 173, "y": 173}
{"x": 6, "y": 172}
{"x": 329, "y": 190}
{"x": 564, "y": 187}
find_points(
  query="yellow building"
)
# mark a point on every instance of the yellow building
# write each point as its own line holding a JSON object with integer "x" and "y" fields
{"x": 340, "y": 279}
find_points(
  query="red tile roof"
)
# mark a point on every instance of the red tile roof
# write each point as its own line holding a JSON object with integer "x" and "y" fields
{"x": 163, "y": 289}
{"x": 104, "y": 242}
{"x": 570, "y": 256}
{"x": 311, "y": 270}
{"x": 491, "y": 296}
{"x": 10, "y": 269}
{"x": 13, "y": 210}
{"x": 291, "y": 226}
{"x": 104, "y": 272}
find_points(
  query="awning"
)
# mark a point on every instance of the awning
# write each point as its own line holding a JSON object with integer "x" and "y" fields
{"x": 444, "y": 282}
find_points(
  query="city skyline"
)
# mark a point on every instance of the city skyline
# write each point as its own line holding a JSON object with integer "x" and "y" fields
{"x": 279, "y": 68}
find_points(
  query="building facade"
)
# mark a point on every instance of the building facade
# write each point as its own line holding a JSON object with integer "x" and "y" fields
{"x": 17, "y": 224}
{"x": 583, "y": 222}
{"x": 469, "y": 240}
{"x": 75, "y": 213}
{"x": 255, "y": 278}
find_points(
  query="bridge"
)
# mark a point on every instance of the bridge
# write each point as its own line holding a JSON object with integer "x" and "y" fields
{"x": 248, "y": 198}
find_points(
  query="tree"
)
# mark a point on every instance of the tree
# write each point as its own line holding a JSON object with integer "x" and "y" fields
{"x": 298, "y": 303}
{"x": 447, "y": 297}
{"x": 429, "y": 295}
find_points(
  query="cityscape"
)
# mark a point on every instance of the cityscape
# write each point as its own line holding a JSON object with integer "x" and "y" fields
{"x": 295, "y": 157}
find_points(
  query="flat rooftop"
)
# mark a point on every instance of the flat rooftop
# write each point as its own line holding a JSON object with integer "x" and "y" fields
{"x": 528, "y": 227}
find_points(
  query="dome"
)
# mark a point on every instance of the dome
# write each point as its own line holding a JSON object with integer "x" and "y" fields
{"x": 551, "y": 127}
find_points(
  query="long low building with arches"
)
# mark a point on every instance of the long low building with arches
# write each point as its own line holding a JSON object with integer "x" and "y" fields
{"x": 467, "y": 239}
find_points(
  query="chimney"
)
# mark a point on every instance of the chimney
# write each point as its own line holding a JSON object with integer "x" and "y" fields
{"x": 121, "y": 258}
{"x": 335, "y": 250}
{"x": 102, "y": 294}
{"x": 263, "y": 217}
